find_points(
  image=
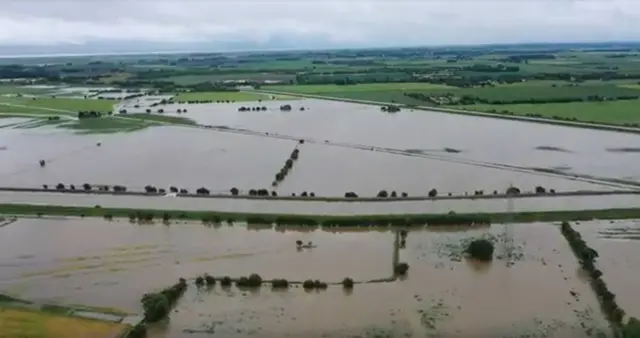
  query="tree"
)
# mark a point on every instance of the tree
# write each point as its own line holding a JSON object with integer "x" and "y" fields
{"x": 481, "y": 249}
{"x": 86, "y": 186}
{"x": 513, "y": 191}
{"x": 347, "y": 283}
{"x": 202, "y": 191}
{"x": 433, "y": 193}
{"x": 382, "y": 194}
{"x": 541, "y": 190}
{"x": 234, "y": 191}
{"x": 60, "y": 186}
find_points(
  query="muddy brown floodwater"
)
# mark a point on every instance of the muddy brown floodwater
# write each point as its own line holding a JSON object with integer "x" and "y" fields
{"x": 533, "y": 286}
{"x": 479, "y": 138}
{"x": 618, "y": 246}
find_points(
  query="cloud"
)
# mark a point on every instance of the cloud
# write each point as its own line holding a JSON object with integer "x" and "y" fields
{"x": 304, "y": 22}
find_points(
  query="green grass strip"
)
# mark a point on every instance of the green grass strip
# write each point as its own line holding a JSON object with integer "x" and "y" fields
{"x": 519, "y": 217}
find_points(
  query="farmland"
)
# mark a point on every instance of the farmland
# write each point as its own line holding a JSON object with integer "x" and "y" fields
{"x": 217, "y": 96}
{"x": 37, "y": 324}
{"x": 218, "y": 164}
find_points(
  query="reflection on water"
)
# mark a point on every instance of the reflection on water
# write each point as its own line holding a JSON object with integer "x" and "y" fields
{"x": 619, "y": 258}
{"x": 531, "y": 285}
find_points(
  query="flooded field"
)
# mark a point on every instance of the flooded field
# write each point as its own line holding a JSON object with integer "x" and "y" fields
{"x": 332, "y": 171}
{"x": 477, "y": 138}
{"x": 532, "y": 289}
{"x": 161, "y": 156}
{"x": 617, "y": 244}
{"x": 112, "y": 264}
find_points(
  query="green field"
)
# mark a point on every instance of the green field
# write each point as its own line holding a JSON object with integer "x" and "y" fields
{"x": 178, "y": 120}
{"x": 61, "y": 105}
{"x": 194, "y": 79}
{"x": 369, "y": 87}
{"x": 617, "y": 112}
{"x": 218, "y": 96}
{"x": 18, "y": 109}
{"x": 106, "y": 125}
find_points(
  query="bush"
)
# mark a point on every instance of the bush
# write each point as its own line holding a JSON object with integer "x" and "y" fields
{"x": 255, "y": 280}
{"x": 631, "y": 329}
{"x": 513, "y": 191}
{"x": 202, "y": 191}
{"x": 86, "y": 186}
{"x": 60, "y": 186}
{"x": 350, "y": 194}
{"x": 279, "y": 284}
{"x": 347, "y": 283}
{"x": 481, "y": 249}
{"x": 401, "y": 269}
{"x": 173, "y": 189}
{"x": 45, "y": 187}
{"x": 156, "y": 306}
{"x": 541, "y": 190}
{"x": 320, "y": 285}
{"x": 225, "y": 281}
{"x": 234, "y": 191}
{"x": 382, "y": 194}
{"x": 199, "y": 281}
{"x": 308, "y": 284}
{"x": 242, "y": 282}
{"x": 393, "y": 194}
{"x": 433, "y": 193}
{"x": 209, "y": 279}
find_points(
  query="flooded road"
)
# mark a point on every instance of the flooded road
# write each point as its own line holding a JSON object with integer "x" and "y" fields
{"x": 307, "y": 207}
{"x": 618, "y": 246}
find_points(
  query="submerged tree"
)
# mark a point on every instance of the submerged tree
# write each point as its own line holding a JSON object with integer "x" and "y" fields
{"x": 481, "y": 249}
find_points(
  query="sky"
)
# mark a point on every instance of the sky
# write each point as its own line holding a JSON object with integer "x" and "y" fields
{"x": 271, "y": 24}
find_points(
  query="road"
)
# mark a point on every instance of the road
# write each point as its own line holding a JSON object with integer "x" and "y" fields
{"x": 324, "y": 208}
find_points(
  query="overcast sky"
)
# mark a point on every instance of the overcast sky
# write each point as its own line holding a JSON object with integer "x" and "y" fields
{"x": 316, "y": 23}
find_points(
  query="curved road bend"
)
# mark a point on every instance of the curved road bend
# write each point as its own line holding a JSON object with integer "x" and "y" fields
{"x": 324, "y": 208}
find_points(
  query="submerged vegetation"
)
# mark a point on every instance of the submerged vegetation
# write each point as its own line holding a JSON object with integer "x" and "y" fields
{"x": 587, "y": 259}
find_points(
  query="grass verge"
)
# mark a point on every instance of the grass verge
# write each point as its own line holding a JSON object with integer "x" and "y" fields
{"x": 520, "y": 217}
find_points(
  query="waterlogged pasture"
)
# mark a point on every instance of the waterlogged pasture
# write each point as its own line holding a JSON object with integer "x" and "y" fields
{"x": 161, "y": 156}
{"x": 619, "y": 258}
{"x": 532, "y": 288}
{"x": 482, "y": 139}
{"x": 112, "y": 264}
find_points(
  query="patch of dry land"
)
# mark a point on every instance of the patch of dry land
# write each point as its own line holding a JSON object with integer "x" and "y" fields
{"x": 19, "y": 323}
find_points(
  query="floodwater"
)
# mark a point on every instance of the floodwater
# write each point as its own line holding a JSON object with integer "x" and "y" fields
{"x": 331, "y": 171}
{"x": 618, "y": 246}
{"x": 307, "y": 207}
{"x": 533, "y": 287}
{"x": 161, "y": 156}
{"x": 192, "y": 158}
{"x": 112, "y": 264}
{"x": 485, "y": 139}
